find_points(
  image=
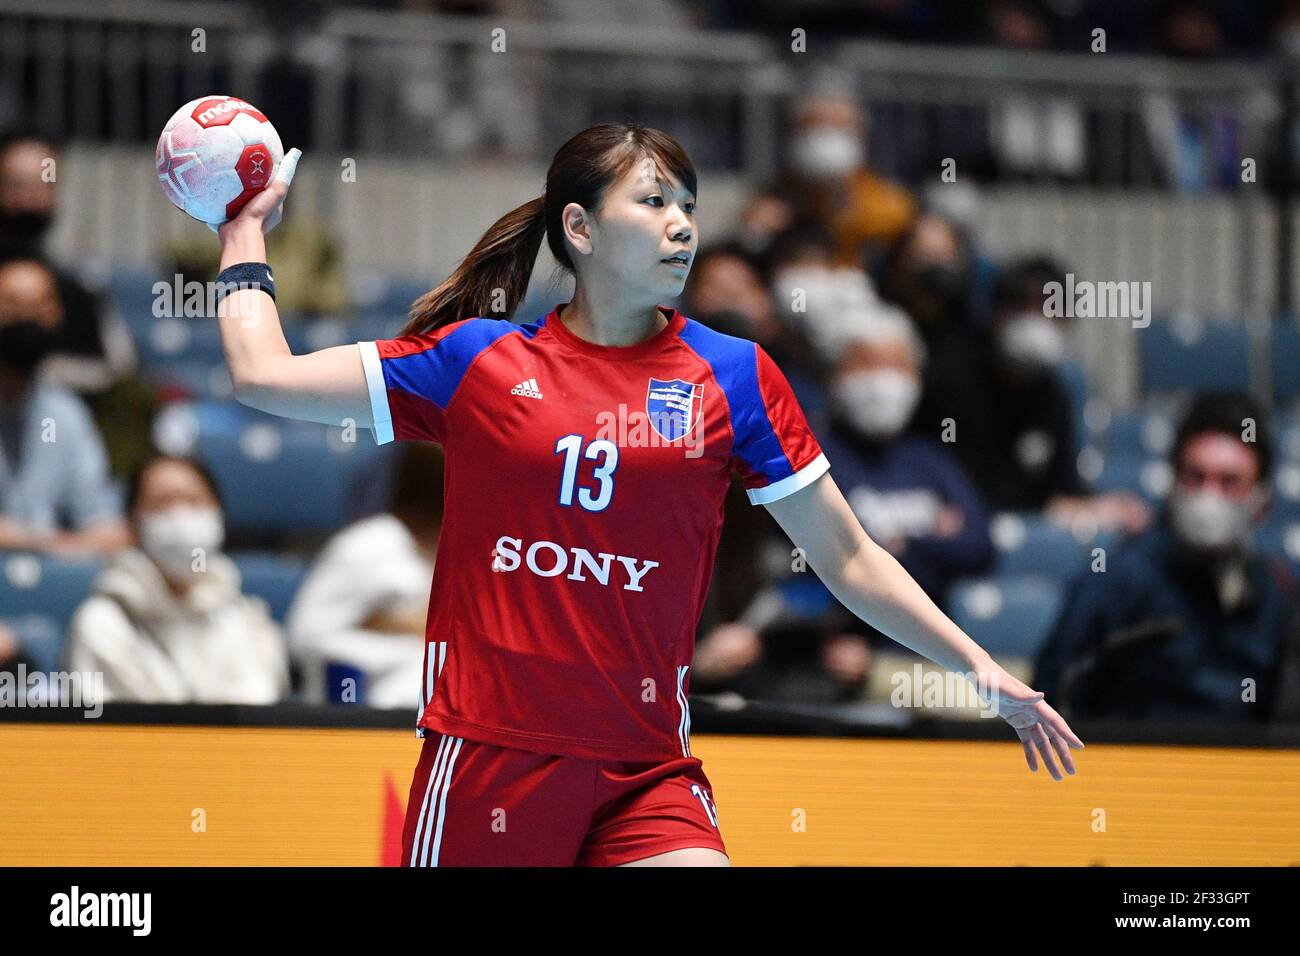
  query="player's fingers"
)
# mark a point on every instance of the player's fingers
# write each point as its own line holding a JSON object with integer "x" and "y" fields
{"x": 1040, "y": 741}
{"x": 1031, "y": 758}
{"x": 288, "y": 166}
{"x": 1059, "y": 725}
{"x": 1062, "y": 750}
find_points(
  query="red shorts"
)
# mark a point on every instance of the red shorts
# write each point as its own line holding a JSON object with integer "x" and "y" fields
{"x": 476, "y": 804}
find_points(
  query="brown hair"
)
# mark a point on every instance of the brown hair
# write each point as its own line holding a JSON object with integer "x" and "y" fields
{"x": 583, "y": 168}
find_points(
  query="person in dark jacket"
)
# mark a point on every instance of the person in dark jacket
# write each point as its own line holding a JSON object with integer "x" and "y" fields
{"x": 1189, "y": 620}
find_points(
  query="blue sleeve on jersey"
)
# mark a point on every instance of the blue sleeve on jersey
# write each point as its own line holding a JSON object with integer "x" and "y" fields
{"x": 427, "y": 367}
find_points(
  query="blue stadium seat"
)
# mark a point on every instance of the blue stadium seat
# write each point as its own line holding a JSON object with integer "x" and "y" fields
{"x": 1011, "y": 615}
{"x": 1282, "y": 537}
{"x": 1183, "y": 356}
{"x": 132, "y": 293}
{"x": 274, "y": 578}
{"x": 1286, "y": 360}
{"x": 394, "y": 297}
{"x": 1028, "y": 543}
{"x": 1144, "y": 475}
{"x": 177, "y": 340}
{"x": 275, "y": 475}
{"x": 199, "y": 379}
{"x": 806, "y": 596}
{"x": 1074, "y": 380}
{"x": 38, "y": 596}
{"x": 41, "y": 637}
{"x": 366, "y": 329}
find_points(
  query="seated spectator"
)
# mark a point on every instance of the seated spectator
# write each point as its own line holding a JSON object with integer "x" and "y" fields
{"x": 94, "y": 348}
{"x": 909, "y": 492}
{"x": 93, "y": 353}
{"x": 828, "y": 180}
{"x": 357, "y": 625}
{"x": 55, "y": 492}
{"x": 727, "y": 291}
{"x": 795, "y": 641}
{"x": 1032, "y": 461}
{"x": 1189, "y": 620}
{"x": 166, "y": 621}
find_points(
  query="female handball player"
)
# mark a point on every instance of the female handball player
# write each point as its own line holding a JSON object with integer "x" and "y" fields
{"x": 588, "y": 454}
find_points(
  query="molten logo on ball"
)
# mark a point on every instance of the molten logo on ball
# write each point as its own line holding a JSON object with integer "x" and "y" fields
{"x": 214, "y": 155}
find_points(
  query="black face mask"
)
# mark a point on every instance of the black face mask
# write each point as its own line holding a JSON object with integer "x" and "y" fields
{"x": 23, "y": 232}
{"x": 23, "y": 344}
{"x": 946, "y": 283}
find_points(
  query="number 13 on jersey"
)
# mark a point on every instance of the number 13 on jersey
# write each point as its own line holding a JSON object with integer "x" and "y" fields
{"x": 602, "y": 450}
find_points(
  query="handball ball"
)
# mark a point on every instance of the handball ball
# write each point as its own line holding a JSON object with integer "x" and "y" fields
{"x": 214, "y": 155}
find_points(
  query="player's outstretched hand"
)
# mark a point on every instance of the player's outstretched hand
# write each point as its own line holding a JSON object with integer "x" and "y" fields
{"x": 1040, "y": 728}
{"x": 266, "y": 207}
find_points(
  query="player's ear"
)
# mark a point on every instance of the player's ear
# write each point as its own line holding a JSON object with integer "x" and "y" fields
{"x": 577, "y": 227}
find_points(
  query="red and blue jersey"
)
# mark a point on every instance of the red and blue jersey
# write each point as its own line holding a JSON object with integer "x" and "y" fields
{"x": 583, "y": 496}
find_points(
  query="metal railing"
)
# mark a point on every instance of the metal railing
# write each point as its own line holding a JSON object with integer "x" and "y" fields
{"x": 447, "y": 87}
{"x": 1158, "y": 144}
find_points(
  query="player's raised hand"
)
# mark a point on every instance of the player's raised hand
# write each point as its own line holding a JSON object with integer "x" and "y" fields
{"x": 267, "y": 207}
{"x": 1040, "y": 728}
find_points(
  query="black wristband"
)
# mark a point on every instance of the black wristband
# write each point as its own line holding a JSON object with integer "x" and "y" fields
{"x": 245, "y": 275}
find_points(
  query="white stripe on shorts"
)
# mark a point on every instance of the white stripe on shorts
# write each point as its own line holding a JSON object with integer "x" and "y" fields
{"x": 684, "y": 721}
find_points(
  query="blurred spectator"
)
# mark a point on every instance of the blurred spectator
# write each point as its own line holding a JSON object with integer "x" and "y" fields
{"x": 781, "y": 659}
{"x": 1195, "y": 149}
{"x": 727, "y": 291}
{"x": 1031, "y": 463}
{"x": 360, "y": 615}
{"x": 928, "y": 272}
{"x": 1189, "y": 620}
{"x": 1033, "y": 137}
{"x": 94, "y": 348}
{"x": 795, "y": 641}
{"x": 908, "y": 491}
{"x": 166, "y": 621}
{"x": 827, "y": 180}
{"x": 53, "y": 470}
{"x": 93, "y": 353}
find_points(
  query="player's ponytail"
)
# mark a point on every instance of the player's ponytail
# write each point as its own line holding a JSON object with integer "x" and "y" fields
{"x": 492, "y": 279}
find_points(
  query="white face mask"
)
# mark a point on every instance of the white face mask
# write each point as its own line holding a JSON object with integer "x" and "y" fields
{"x": 1032, "y": 340}
{"x": 826, "y": 151}
{"x": 877, "y": 403}
{"x": 1207, "y": 521}
{"x": 170, "y": 537}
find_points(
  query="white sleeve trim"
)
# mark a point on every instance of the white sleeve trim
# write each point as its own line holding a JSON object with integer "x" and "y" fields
{"x": 379, "y": 410}
{"x": 791, "y": 483}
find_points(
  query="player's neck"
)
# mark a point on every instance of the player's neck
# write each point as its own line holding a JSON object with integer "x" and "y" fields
{"x": 608, "y": 324}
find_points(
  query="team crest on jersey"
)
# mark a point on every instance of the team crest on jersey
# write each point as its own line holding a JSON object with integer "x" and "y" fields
{"x": 673, "y": 407}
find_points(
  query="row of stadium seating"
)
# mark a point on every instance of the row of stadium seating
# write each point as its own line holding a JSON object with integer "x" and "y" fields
{"x": 1009, "y": 612}
{"x": 276, "y": 475}
{"x": 282, "y": 476}
{"x": 1177, "y": 353}
{"x": 39, "y": 593}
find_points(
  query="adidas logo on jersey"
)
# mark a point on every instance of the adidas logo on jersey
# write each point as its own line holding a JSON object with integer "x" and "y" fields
{"x": 527, "y": 388}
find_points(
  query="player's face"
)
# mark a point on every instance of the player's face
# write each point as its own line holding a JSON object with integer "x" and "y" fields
{"x": 647, "y": 217}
